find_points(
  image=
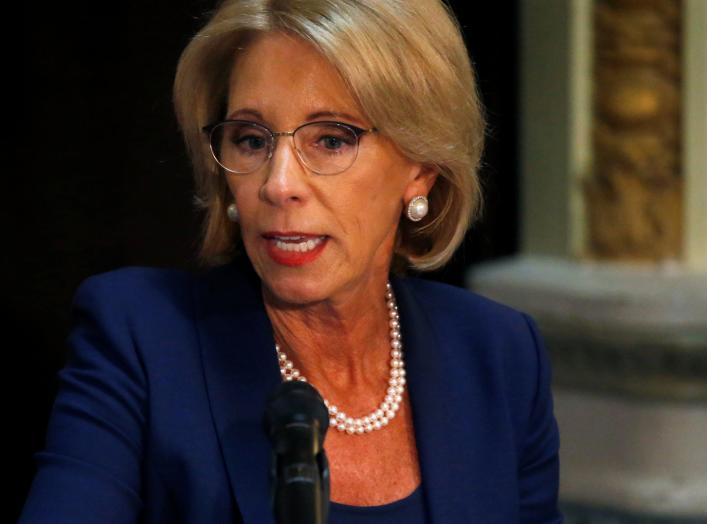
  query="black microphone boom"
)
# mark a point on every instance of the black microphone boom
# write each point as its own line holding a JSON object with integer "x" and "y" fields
{"x": 296, "y": 421}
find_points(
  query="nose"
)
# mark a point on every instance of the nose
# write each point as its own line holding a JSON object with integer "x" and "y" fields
{"x": 286, "y": 177}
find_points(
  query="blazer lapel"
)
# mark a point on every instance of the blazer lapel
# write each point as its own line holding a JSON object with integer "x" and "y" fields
{"x": 241, "y": 370}
{"x": 447, "y": 415}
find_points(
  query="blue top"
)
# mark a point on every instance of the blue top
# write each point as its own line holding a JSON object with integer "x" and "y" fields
{"x": 408, "y": 510}
{"x": 159, "y": 411}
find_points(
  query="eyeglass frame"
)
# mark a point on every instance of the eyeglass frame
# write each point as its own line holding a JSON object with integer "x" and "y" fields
{"x": 357, "y": 131}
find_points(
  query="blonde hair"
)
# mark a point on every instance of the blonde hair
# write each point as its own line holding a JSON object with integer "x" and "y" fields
{"x": 406, "y": 64}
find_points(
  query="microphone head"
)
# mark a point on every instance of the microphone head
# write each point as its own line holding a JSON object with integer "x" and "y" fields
{"x": 296, "y": 402}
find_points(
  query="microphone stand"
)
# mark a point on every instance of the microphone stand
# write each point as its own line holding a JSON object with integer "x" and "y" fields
{"x": 297, "y": 421}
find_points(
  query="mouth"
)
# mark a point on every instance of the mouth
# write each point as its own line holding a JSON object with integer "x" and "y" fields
{"x": 298, "y": 243}
{"x": 294, "y": 248}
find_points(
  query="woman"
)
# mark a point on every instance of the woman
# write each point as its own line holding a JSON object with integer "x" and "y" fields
{"x": 332, "y": 142}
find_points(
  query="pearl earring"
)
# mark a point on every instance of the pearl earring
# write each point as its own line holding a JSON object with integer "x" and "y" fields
{"x": 232, "y": 212}
{"x": 418, "y": 208}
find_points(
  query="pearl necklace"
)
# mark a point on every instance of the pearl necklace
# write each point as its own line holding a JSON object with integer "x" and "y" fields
{"x": 387, "y": 409}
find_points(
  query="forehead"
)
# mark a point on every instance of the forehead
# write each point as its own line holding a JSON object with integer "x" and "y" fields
{"x": 284, "y": 77}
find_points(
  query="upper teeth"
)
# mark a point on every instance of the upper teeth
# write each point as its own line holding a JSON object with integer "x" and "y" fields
{"x": 297, "y": 243}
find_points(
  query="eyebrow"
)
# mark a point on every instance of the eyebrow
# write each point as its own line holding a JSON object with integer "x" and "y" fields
{"x": 247, "y": 111}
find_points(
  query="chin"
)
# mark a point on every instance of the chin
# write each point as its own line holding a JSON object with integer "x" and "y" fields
{"x": 297, "y": 289}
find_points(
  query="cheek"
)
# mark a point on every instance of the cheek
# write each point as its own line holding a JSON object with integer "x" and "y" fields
{"x": 245, "y": 194}
{"x": 369, "y": 211}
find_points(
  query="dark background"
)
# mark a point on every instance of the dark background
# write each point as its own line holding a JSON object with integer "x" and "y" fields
{"x": 103, "y": 180}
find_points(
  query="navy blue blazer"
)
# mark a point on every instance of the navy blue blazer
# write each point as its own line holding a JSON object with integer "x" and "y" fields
{"x": 158, "y": 417}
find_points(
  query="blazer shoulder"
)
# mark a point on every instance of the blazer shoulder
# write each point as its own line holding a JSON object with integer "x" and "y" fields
{"x": 140, "y": 302}
{"x": 134, "y": 286}
{"x": 131, "y": 279}
{"x": 440, "y": 298}
{"x": 479, "y": 329}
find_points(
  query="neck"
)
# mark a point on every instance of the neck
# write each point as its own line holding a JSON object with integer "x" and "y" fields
{"x": 339, "y": 344}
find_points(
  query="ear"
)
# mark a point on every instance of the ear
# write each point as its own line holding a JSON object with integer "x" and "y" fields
{"x": 422, "y": 179}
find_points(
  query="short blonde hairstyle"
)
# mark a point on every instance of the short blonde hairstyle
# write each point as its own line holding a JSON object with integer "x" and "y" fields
{"x": 405, "y": 63}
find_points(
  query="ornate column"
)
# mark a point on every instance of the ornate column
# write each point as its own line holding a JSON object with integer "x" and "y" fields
{"x": 634, "y": 195}
{"x": 614, "y": 256}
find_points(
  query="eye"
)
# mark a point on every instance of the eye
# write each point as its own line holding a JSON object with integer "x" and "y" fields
{"x": 331, "y": 138}
{"x": 331, "y": 142}
{"x": 251, "y": 142}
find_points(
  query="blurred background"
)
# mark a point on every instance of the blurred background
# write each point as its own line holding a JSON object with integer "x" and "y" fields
{"x": 596, "y": 187}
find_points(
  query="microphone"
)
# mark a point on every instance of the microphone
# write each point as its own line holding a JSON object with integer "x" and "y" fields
{"x": 296, "y": 421}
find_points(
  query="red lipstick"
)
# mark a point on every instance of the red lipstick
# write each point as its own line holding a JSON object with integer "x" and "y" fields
{"x": 294, "y": 248}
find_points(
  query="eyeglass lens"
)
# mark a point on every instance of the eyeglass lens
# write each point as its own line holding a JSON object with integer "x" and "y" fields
{"x": 325, "y": 148}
